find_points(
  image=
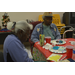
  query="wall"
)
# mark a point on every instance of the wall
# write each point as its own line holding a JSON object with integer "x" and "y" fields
{"x": 16, "y": 16}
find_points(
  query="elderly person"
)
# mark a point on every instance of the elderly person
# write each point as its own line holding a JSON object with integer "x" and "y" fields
{"x": 46, "y": 27}
{"x": 14, "y": 49}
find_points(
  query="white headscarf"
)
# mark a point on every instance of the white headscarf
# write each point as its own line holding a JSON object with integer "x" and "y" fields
{"x": 23, "y": 25}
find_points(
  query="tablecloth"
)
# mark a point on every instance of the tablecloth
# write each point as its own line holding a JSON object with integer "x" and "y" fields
{"x": 41, "y": 54}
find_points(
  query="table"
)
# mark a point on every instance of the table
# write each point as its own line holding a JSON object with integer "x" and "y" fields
{"x": 47, "y": 53}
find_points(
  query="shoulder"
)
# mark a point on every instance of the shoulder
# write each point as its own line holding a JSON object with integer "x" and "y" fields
{"x": 11, "y": 38}
{"x": 39, "y": 25}
{"x": 53, "y": 25}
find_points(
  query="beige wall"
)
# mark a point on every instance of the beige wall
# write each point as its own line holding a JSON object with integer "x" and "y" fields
{"x": 16, "y": 16}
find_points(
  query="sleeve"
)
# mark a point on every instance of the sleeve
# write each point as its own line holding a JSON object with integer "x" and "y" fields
{"x": 35, "y": 35}
{"x": 17, "y": 53}
{"x": 58, "y": 35}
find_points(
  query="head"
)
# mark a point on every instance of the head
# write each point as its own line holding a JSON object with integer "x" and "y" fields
{"x": 21, "y": 29}
{"x": 47, "y": 17}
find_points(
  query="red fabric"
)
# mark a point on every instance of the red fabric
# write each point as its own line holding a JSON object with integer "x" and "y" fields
{"x": 6, "y": 31}
{"x": 47, "y": 53}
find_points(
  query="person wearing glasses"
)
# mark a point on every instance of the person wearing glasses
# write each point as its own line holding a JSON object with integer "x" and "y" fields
{"x": 46, "y": 27}
{"x": 13, "y": 49}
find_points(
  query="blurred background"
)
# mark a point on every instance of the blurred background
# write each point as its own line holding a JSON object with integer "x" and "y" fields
{"x": 16, "y": 16}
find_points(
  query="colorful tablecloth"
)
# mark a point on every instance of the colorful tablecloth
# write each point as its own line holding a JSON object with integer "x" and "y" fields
{"x": 38, "y": 56}
{"x": 41, "y": 54}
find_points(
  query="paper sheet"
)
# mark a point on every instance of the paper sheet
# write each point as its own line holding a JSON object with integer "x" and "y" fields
{"x": 54, "y": 57}
{"x": 47, "y": 46}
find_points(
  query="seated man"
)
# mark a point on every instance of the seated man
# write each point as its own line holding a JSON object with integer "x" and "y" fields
{"x": 46, "y": 27}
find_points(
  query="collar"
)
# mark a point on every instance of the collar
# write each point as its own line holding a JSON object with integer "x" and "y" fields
{"x": 51, "y": 25}
{"x": 15, "y": 36}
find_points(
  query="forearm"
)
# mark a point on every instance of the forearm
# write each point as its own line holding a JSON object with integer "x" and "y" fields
{"x": 35, "y": 40}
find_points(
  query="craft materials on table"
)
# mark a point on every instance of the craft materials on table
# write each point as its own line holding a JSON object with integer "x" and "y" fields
{"x": 47, "y": 46}
{"x": 54, "y": 57}
{"x": 58, "y": 49}
{"x": 58, "y": 42}
{"x": 55, "y": 49}
{"x": 41, "y": 38}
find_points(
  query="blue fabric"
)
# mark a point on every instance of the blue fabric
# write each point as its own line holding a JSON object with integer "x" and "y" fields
{"x": 5, "y": 29}
{"x": 39, "y": 29}
{"x": 15, "y": 48}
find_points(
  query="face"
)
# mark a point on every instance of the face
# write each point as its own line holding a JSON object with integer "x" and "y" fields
{"x": 23, "y": 36}
{"x": 48, "y": 21}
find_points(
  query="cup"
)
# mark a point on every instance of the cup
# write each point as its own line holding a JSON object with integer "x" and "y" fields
{"x": 48, "y": 39}
{"x": 69, "y": 50}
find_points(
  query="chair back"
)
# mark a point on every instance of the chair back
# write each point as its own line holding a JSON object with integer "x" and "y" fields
{"x": 40, "y": 18}
{"x": 56, "y": 19}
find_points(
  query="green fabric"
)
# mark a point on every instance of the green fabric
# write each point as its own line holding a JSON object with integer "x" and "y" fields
{"x": 47, "y": 31}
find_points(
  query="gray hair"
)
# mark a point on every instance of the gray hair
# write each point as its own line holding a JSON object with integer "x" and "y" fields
{"x": 20, "y": 25}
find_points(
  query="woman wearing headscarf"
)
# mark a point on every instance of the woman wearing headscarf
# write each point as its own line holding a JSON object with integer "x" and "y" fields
{"x": 13, "y": 48}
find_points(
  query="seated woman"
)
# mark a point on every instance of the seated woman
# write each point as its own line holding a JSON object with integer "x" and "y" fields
{"x": 46, "y": 27}
{"x": 13, "y": 48}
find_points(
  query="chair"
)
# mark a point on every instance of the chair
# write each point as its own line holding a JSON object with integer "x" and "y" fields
{"x": 57, "y": 22}
{"x": 31, "y": 43}
{"x": 1, "y": 57}
{"x": 68, "y": 32}
{"x": 40, "y": 18}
